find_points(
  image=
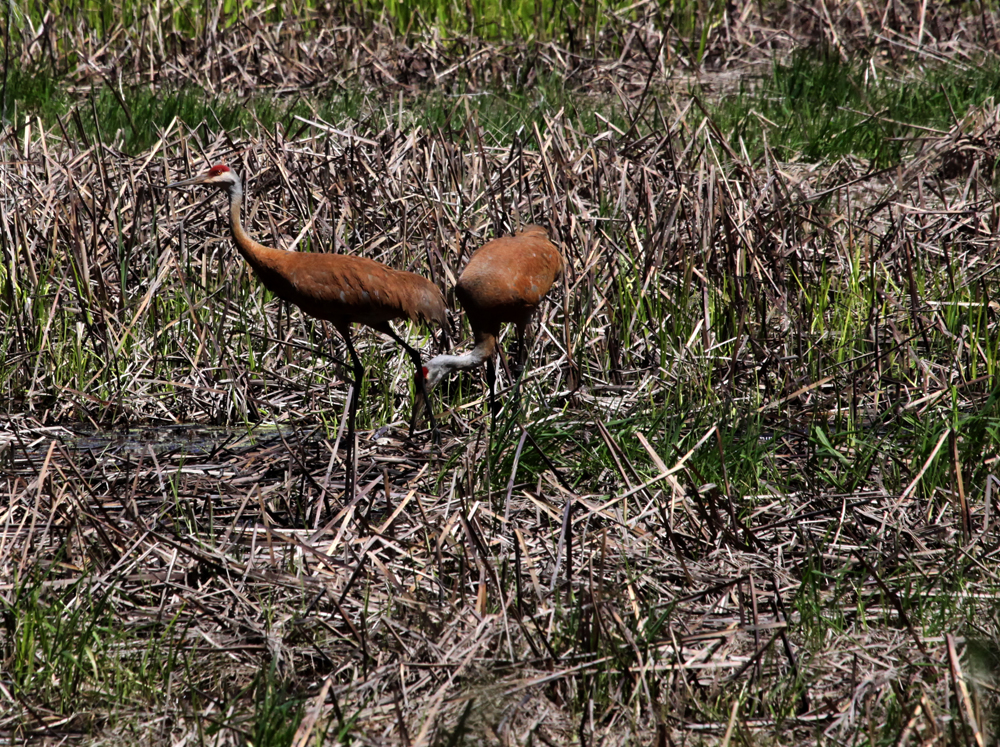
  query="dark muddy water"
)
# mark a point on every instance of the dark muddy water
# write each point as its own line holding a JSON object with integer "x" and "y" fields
{"x": 194, "y": 440}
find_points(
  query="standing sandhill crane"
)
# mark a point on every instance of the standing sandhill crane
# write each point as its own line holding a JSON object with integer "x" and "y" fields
{"x": 504, "y": 281}
{"x": 338, "y": 288}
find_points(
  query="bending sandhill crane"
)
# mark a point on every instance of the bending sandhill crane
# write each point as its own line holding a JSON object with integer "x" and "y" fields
{"x": 504, "y": 281}
{"x": 338, "y": 288}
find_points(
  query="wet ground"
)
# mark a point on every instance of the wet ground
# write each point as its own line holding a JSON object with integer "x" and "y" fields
{"x": 193, "y": 439}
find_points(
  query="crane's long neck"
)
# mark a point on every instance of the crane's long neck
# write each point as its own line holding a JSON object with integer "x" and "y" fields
{"x": 485, "y": 347}
{"x": 261, "y": 258}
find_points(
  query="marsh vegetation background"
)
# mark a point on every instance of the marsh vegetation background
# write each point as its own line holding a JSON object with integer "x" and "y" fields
{"x": 747, "y": 494}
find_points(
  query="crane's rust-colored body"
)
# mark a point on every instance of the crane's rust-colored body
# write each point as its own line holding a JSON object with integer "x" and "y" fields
{"x": 338, "y": 288}
{"x": 504, "y": 282}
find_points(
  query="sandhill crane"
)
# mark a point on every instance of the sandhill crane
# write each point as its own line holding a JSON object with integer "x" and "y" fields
{"x": 338, "y": 288}
{"x": 504, "y": 281}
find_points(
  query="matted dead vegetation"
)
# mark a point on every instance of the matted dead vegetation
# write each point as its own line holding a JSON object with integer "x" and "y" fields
{"x": 749, "y": 494}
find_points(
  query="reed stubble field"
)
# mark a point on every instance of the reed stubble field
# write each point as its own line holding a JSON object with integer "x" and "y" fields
{"x": 747, "y": 497}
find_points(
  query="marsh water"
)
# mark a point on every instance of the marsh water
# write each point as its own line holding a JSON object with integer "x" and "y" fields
{"x": 178, "y": 439}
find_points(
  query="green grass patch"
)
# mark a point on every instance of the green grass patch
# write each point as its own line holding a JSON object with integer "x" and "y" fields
{"x": 70, "y": 650}
{"x": 816, "y": 106}
{"x": 572, "y": 22}
{"x": 133, "y": 119}
{"x": 189, "y": 18}
{"x": 497, "y": 20}
{"x": 505, "y": 114}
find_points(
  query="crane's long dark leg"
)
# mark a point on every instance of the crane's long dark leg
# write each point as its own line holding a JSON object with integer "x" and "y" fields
{"x": 421, "y": 382}
{"x": 519, "y": 366}
{"x": 491, "y": 379}
{"x": 352, "y": 411}
{"x": 522, "y": 351}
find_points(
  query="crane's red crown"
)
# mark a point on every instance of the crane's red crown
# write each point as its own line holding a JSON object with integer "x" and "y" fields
{"x": 218, "y": 169}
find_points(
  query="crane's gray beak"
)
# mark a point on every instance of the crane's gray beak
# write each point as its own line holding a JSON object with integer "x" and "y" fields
{"x": 187, "y": 182}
